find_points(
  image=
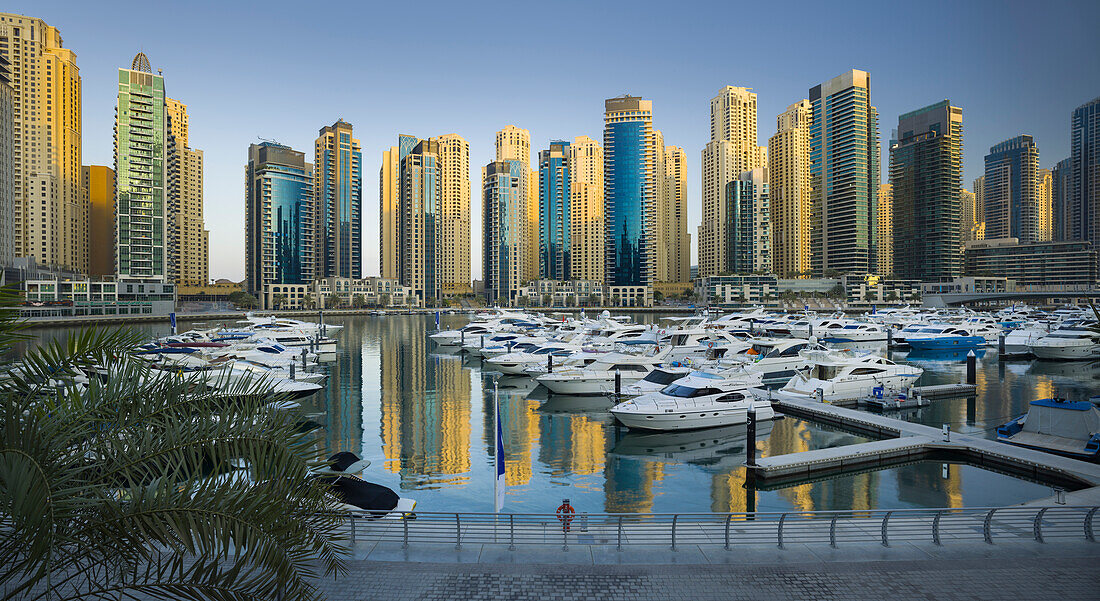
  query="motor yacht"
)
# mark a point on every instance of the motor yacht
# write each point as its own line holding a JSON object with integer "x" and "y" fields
{"x": 691, "y": 403}
{"x": 944, "y": 337}
{"x": 1018, "y": 341}
{"x": 839, "y": 376}
{"x": 1070, "y": 428}
{"x": 1068, "y": 343}
{"x": 517, "y": 363}
{"x": 661, "y": 377}
{"x": 776, "y": 359}
{"x": 599, "y": 376}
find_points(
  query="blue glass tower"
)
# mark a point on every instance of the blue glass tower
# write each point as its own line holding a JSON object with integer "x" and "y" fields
{"x": 1084, "y": 185}
{"x": 1011, "y": 195}
{"x": 278, "y": 217}
{"x": 504, "y": 210}
{"x": 630, "y": 173}
{"x": 554, "y": 222}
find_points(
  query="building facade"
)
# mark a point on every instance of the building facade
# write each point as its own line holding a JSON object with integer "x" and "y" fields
{"x": 99, "y": 183}
{"x": 188, "y": 239}
{"x": 586, "y": 210}
{"x": 514, "y": 144}
{"x": 968, "y": 214}
{"x": 926, "y": 178}
{"x": 453, "y": 244}
{"x": 279, "y": 242}
{"x": 1046, "y": 205}
{"x": 338, "y": 202}
{"x": 141, "y": 175}
{"x": 749, "y": 243}
{"x": 790, "y": 191}
{"x": 1038, "y": 264}
{"x": 504, "y": 210}
{"x": 673, "y": 240}
{"x": 630, "y": 189}
{"x": 7, "y": 163}
{"x": 732, "y": 150}
{"x": 1065, "y": 223}
{"x": 419, "y": 219}
{"x": 884, "y": 221}
{"x": 1085, "y": 164}
{"x": 49, "y": 210}
{"x": 844, "y": 167}
{"x": 1010, "y": 191}
{"x": 554, "y": 212}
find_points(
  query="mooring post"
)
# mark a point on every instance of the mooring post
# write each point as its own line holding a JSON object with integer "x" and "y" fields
{"x": 618, "y": 386}
{"x": 750, "y": 444}
{"x": 292, "y": 365}
{"x": 549, "y": 364}
{"x": 1000, "y": 345}
{"x": 889, "y": 337}
{"x": 971, "y": 367}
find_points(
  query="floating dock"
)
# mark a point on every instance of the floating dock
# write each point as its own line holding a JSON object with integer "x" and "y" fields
{"x": 905, "y": 442}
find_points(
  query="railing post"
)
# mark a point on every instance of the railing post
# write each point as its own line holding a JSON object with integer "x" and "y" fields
{"x": 674, "y": 518}
{"x": 620, "y": 545}
{"x": 885, "y": 521}
{"x": 1088, "y": 525}
{"x": 832, "y": 531}
{"x": 936, "y": 528}
{"x": 729, "y": 518}
{"x": 512, "y": 532}
{"x": 1037, "y": 525}
{"x": 782, "y": 519}
{"x": 405, "y": 533}
{"x": 565, "y": 537}
{"x": 986, "y": 529}
{"x": 458, "y": 532}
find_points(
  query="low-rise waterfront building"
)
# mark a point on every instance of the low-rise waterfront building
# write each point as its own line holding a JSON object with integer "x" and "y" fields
{"x": 1036, "y": 264}
{"x": 737, "y": 290}
{"x": 872, "y": 289}
{"x": 979, "y": 284}
{"x": 337, "y": 292}
{"x": 87, "y": 296}
{"x": 562, "y": 293}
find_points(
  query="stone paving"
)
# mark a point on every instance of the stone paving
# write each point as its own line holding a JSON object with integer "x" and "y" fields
{"x": 1061, "y": 572}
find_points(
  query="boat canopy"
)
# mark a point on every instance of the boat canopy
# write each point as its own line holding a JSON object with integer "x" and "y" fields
{"x": 1078, "y": 420}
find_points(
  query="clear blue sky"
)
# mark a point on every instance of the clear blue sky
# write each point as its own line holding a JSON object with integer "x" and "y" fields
{"x": 282, "y": 70}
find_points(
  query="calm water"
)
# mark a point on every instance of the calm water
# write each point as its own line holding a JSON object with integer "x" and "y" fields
{"x": 424, "y": 419}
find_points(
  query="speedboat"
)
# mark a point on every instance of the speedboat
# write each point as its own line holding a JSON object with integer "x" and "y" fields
{"x": 1070, "y": 428}
{"x": 944, "y": 338}
{"x": 354, "y": 494}
{"x": 691, "y": 403}
{"x": 599, "y": 376}
{"x": 839, "y": 376}
{"x": 1066, "y": 343}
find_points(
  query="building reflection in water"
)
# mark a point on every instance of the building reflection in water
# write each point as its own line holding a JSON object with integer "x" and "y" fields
{"x": 519, "y": 425}
{"x": 425, "y": 408}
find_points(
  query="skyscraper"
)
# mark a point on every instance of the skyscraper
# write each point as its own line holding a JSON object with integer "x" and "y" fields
{"x": 279, "y": 232}
{"x": 514, "y": 144}
{"x": 790, "y": 192}
{"x": 732, "y": 150}
{"x": 1010, "y": 194}
{"x": 586, "y": 210}
{"x": 504, "y": 210}
{"x": 49, "y": 214}
{"x": 969, "y": 211}
{"x": 338, "y": 202}
{"x": 188, "y": 239}
{"x": 844, "y": 166}
{"x": 7, "y": 163}
{"x": 673, "y": 241}
{"x": 1046, "y": 205}
{"x": 926, "y": 178}
{"x": 141, "y": 165}
{"x": 554, "y": 215}
{"x": 749, "y": 244}
{"x": 388, "y": 191}
{"x": 453, "y": 245}
{"x": 418, "y": 219}
{"x": 630, "y": 188}
{"x": 99, "y": 183}
{"x": 1065, "y": 220}
{"x": 884, "y": 254}
{"x": 1085, "y": 161}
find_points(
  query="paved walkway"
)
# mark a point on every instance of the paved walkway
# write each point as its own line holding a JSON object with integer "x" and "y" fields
{"x": 1059, "y": 572}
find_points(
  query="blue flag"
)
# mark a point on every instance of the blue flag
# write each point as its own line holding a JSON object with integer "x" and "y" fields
{"x": 499, "y": 483}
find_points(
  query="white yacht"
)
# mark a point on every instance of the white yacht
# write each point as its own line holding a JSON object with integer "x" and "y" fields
{"x": 776, "y": 359}
{"x": 663, "y": 376}
{"x": 691, "y": 403}
{"x": 285, "y": 323}
{"x": 599, "y": 376}
{"x": 1066, "y": 343}
{"x": 840, "y": 376}
{"x": 1018, "y": 342}
{"x": 517, "y": 363}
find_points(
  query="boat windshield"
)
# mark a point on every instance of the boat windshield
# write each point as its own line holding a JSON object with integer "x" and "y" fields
{"x": 688, "y": 392}
{"x": 658, "y": 376}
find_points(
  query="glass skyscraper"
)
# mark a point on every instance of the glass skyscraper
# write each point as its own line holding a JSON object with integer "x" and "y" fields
{"x": 1011, "y": 191}
{"x": 554, "y": 224}
{"x": 1085, "y": 165}
{"x": 630, "y": 172}
{"x": 338, "y": 202}
{"x": 504, "y": 210}
{"x": 141, "y": 132}
{"x": 926, "y": 179}
{"x": 748, "y": 223}
{"x": 418, "y": 224}
{"x": 278, "y": 217}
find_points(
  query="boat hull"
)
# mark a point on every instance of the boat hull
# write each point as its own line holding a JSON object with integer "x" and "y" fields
{"x": 691, "y": 419}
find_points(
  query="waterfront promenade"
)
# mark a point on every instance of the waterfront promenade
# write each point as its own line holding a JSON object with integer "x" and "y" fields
{"x": 1062, "y": 572}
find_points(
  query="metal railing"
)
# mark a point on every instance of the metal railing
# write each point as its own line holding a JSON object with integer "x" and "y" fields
{"x": 937, "y": 526}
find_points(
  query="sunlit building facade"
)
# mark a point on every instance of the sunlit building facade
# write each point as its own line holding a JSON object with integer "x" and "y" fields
{"x": 554, "y": 212}
{"x": 630, "y": 189}
{"x": 504, "y": 210}
{"x": 673, "y": 240}
{"x": 1046, "y": 205}
{"x": 337, "y": 203}
{"x": 453, "y": 244}
{"x": 419, "y": 219}
{"x": 188, "y": 239}
{"x": 884, "y": 218}
{"x": 99, "y": 183}
{"x": 514, "y": 144}
{"x": 790, "y": 193}
{"x": 586, "y": 210}
{"x": 279, "y": 243}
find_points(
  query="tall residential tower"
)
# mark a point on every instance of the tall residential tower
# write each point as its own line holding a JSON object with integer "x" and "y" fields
{"x": 279, "y": 214}
{"x": 586, "y": 210}
{"x": 337, "y": 204}
{"x": 790, "y": 192}
{"x": 630, "y": 191}
{"x": 1010, "y": 196}
{"x": 554, "y": 213}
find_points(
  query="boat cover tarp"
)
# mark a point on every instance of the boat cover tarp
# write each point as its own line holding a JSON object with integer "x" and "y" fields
{"x": 365, "y": 495}
{"x": 1076, "y": 420}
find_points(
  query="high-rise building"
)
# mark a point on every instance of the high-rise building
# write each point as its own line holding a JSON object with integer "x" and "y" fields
{"x": 749, "y": 244}
{"x": 514, "y": 144}
{"x": 979, "y": 200}
{"x": 790, "y": 193}
{"x": 141, "y": 173}
{"x": 418, "y": 219}
{"x": 99, "y": 183}
{"x": 630, "y": 188}
{"x": 7, "y": 163}
{"x": 586, "y": 210}
{"x": 49, "y": 212}
{"x": 673, "y": 240}
{"x": 453, "y": 246}
{"x": 279, "y": 232}
{"x": 504, "y": 210}
{"x": 1010, "y": 192}
{"x": 1065, "y": 222}
{"x": 1046, "y": 205}
{"x": 554, "y": 213}
{"x": 338, "y": 202}
{"x": 389, "y": 174}
{"x": 926, "y": 177}
{"x": 188, "y": 239}
{"x": 732, "y": 150}
{"x": 844, "y": 166}
{"x": 1085, "y": 163}
{"x": 884, "y": 221}
{"x": 968, "y": 202}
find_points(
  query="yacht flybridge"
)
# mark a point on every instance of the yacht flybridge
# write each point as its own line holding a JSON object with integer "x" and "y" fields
{"x": 696, "y": 401}
{"x": 842, "y": 376}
